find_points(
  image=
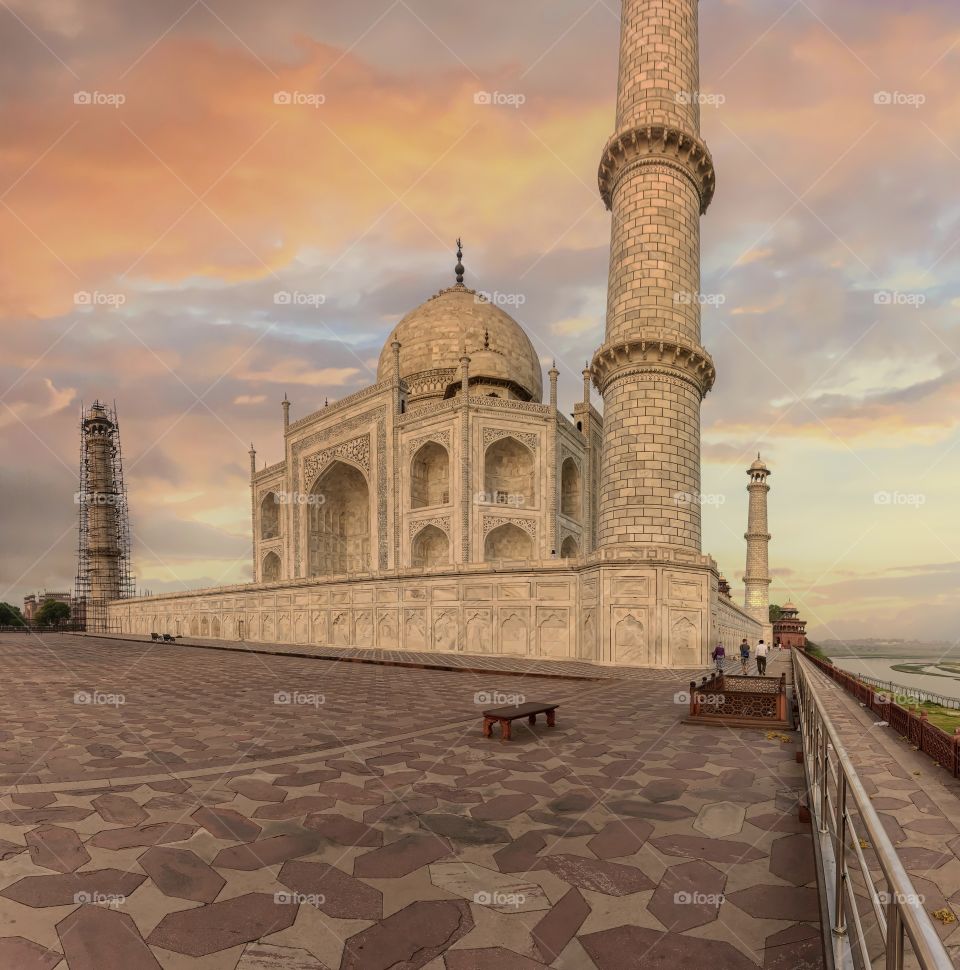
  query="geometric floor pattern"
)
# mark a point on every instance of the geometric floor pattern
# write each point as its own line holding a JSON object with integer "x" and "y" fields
{"x": 227, "y": 811}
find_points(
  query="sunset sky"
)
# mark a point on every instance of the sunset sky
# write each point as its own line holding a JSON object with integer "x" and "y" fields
{"x": 184, "y": 197}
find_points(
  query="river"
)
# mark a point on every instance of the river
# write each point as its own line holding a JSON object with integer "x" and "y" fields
{"x": 883, "y": 670}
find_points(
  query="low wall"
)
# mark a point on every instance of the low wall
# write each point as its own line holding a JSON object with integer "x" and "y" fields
{"x": 657, "y": 614}
{"x": 732, "y": 624}
{"x": 914, "y": 725}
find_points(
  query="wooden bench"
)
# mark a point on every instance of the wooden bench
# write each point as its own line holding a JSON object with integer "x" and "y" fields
{"x": 507, "y": 715}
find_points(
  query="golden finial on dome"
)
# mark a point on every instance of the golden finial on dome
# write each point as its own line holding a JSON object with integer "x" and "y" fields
{"x": 459, "y": 270}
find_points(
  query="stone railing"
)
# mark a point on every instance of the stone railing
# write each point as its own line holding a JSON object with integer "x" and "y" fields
{"x": 733, "y": 700}
{"x": 908, "y": 721}
{"x": 874, "y": 915}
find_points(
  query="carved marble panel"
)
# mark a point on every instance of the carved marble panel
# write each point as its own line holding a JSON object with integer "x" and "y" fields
{"x": 631, "y": 636}
{"x": 415, "y": 629}
{"x": 631, "y": 587}
{"x": 440, "y": 437}
{"x": 588, "y": 635}
{"x": 318, "y": 627}
{"x": 685, "y": 638}
{"x": 479, "y": 631}
{"x": 529, "y": 438}
{"x": 388, "y": 630}
{"x": 363, "y": 628}
{"x": 300, "y": 627}
{"x": 341, "y": 633}
{"x": 446, "y": 630}
{"x": 553, "y": 632}
{"x": 514, "y": 631}
{"x": 355, "y": 452}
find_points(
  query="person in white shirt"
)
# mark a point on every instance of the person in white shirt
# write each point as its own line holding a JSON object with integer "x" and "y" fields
{"x": 761, "y": 658}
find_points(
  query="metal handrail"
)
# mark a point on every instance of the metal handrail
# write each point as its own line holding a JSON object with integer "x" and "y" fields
{"x": 831, "y": 811}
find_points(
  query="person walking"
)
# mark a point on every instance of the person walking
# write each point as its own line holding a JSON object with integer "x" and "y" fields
{"x": 761, "y": 658}
{"x": 744, "y": 655}
{"x": 718, "y": 657}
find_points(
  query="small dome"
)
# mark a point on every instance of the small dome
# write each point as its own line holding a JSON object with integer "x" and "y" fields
{"x": 788, "y": 606}
{"x": 432, "y": 338}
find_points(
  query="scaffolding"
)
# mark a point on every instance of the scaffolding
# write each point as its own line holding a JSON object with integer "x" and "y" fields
{"x": 103, "y": 554}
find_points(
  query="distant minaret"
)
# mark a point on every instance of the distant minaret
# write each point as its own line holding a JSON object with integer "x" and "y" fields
{"x": 756, "y": 581}
{"x": 103, "y": 568}
{"x": 657, "y": 178}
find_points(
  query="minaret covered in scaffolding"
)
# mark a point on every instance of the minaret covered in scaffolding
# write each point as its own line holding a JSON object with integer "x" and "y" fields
{"x": 103, "y": 564}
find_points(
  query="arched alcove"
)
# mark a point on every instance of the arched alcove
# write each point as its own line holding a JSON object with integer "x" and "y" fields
{"x": 430, "y": 476}
{"x": 507, "y": 541}
{"x": 431, "y": 547}
{"x": 509, "y": 473}
{"x": 338, "y": 538}
{"x": 270, "y": 516}
{"x": 271, "y": 568}
{"x": 570, "y": 548}
{"x": 571, "y": 499}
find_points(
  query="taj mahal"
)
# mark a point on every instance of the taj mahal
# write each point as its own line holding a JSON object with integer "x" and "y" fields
{"x": 451, "y": 506}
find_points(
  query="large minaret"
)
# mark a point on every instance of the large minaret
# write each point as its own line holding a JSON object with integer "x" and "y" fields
{"x": 103, "y": 568}
{"x": 756, "y": 581}
{"x": 657, "y": 178}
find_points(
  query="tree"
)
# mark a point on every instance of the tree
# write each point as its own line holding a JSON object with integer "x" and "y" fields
{"x": 53, "y": 613}
{"x": 10, "y": 615}
{"x": 775, "y": 612}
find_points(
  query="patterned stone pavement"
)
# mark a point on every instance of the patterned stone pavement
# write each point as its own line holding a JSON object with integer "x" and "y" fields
{"x": 182, "y": 816}
{"x": 917, "y": 801}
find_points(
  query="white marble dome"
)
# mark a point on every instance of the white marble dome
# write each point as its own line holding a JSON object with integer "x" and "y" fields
{"x": 432, "y": 338}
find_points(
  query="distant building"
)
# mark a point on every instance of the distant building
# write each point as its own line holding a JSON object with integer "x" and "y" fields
{"x": 790, "y": 630}
{"x": 33, "y": 602}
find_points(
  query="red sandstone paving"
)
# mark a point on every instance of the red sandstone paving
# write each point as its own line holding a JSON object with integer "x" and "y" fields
{"x": 600, "y": 812}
